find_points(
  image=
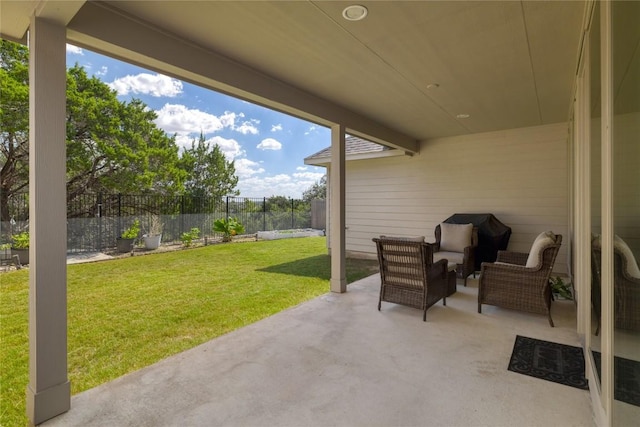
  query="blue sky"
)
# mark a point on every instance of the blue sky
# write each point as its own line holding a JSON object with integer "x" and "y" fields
{"x": 268, "y": 147}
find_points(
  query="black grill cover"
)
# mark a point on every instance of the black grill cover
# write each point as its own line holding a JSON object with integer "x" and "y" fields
{"x": 492, "y": 235}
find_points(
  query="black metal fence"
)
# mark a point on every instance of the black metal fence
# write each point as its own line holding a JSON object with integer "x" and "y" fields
{"x": 95, "y": 221}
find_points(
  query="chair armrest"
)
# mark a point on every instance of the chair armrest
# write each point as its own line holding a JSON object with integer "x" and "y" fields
{"x": 438, "y": 268}
{"x": 437, "y": 277}
{"x": 509, "y": 275}
{"x": 510, "y": 257}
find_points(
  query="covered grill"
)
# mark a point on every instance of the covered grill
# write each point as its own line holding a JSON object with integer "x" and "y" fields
{"x": 493, "y": 235}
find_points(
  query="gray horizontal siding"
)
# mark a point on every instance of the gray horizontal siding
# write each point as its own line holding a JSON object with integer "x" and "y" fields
{"x": 518, "y": 175}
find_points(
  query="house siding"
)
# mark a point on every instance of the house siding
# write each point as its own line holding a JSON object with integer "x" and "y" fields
{"x": 518, "y": 175}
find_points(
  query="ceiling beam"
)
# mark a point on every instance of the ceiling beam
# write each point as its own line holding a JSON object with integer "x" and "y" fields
{"x": 102, "y": 28}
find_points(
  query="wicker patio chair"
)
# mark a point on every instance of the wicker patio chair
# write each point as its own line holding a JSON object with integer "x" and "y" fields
{"x": 520, "y": 281}
{"x": 408, "y": 274}
{"x": 626, "y": 285}
{"x": 464, "y": 258}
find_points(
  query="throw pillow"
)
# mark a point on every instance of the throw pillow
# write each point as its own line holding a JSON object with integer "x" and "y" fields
{"x": 541, "y": 242}
{"x": 455, "y": 237}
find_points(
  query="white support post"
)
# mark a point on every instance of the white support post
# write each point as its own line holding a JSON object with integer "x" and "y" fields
{"x": 606, "y": 130}
{"x": 48, "y": 391}
{"x": 337, "y": 216}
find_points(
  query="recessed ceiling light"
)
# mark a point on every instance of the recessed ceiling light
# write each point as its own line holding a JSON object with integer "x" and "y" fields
{"x": 462, "y": 116}
{"x": 354, "y": 12}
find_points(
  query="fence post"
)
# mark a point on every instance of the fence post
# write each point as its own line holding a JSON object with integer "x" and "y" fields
{"x": 292, "y": 216}
{"x": 119, "y": 230}
{"x": 227, "y": 210}
{"x": 181, "y": 214}
{"x": 100, "y": 221}
{"x": 264, "y": 214}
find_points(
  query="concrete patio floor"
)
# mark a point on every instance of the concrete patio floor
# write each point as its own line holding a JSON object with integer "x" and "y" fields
{"x": 337, "y": 361}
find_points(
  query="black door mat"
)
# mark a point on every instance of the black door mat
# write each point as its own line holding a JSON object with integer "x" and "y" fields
{"x": 559, "y": 363}
{"x": 626, "y": 378}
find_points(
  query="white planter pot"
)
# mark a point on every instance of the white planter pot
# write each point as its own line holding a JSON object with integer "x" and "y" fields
{"x": 152, "y": 242}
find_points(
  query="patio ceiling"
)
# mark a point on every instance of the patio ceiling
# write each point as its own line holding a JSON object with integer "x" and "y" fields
{"x": 401, "y": 75}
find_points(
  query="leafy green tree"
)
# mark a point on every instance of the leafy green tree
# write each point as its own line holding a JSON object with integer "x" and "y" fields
{"x": 14, "y": 120}
{"x": 278, "y": 204}
{"x": 316, "y": 191}
{"x": 209, "y": 173}
{"x": 114, "y": 146}
{"x": 111, "y": 146}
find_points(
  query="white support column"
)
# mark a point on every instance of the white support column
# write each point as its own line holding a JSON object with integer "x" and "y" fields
{"x": 337, "y": 216}
{"x": 48, "y": 391}
{"x": 606, "y": 328}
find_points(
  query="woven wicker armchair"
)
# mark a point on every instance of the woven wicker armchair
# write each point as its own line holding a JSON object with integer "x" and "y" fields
{"x": 408, "y": 275}
{"x": 509, "y": 283}
{"x": 465, "y": 261}
{"x": 626, "y": 286}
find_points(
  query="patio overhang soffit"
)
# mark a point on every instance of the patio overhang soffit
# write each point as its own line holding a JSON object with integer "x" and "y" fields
{"x": 103, "y": 28}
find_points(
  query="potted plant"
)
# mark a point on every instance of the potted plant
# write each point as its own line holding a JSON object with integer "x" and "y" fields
{"x": 560, "y": 289}
{"x": 128, "y": 237}
{"x": 154, "y": 236}
{"x": 20, "y": 246}
{"x": 228, "y": 227}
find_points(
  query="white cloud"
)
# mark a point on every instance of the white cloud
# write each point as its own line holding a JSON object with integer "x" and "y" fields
{"x": 278, "y": 185}
{"x": 184, "y": 140}
{"x": 302, "y": 168}
{"x": 150, "y": 84}
{"x": 176, "y": 118}
{"x": 275, "y": 128}
{"x": 310, "y": 177}
{"x": 229, "y": 147}
{"x": 269, "y": 144}
{"x": 248, "y": 127}
{"x": 74, "y": 50}
{"x": 312, "y": 129}
{"x": 103, "y": 71}
{"x": 228, "y": 119}
{"x": 246, "y": 168}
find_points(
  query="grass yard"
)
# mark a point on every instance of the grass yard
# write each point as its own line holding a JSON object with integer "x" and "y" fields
{"x": 128, "y": 313}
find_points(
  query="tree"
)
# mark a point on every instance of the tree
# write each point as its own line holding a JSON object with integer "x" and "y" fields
{"x": 114, "y": 146}
{"x": 111, "y": 146}
{"x": 209, "y": 173}
{"x": 14, "y": 119}
{"x": 316, "y": 191}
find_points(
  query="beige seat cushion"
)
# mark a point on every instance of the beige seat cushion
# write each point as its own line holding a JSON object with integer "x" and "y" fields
{"x": 544, "y": 239}
{"x": 451, "y": 257}
{"x": 455, "y": 237}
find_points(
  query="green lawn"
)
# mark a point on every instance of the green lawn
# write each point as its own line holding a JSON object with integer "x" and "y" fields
{"x": 128, "y": 313}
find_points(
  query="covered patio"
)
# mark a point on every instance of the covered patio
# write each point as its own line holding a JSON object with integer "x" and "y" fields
{"x": 506, "y": 107}
{"x": 336, "y": 360}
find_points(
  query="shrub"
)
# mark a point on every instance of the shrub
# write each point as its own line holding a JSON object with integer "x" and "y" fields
{"x": 228, "y": 227}
{"x": 20, "y": 240}
{"x": 189, "y": 236}
{"x": 133, "y": 231}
